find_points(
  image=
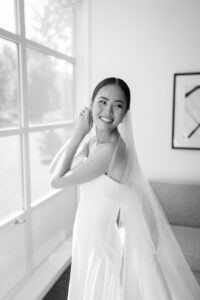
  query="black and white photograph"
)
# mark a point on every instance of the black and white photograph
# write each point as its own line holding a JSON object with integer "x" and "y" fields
{"x": 99, "y": 150}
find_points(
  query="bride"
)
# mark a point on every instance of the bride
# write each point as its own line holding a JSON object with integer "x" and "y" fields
{"x": 123, "y": 247}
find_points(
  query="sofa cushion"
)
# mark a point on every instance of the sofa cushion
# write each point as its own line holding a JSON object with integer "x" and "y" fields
{"x": 180, "y": 202}
{"x": 189, "y": 241}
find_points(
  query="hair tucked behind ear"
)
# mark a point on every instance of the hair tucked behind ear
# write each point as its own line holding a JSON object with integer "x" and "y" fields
{"x": 119, "y": 82}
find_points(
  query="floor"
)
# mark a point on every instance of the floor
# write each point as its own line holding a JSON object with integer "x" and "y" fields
{"x": 60, "y": 289}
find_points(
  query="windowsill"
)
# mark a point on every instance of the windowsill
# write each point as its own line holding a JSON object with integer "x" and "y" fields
{"x": 44, "y": 277}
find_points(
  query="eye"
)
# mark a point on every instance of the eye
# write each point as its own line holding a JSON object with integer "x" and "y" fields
{"x": 119, "y": 106}
{"x": 102, "y": 101}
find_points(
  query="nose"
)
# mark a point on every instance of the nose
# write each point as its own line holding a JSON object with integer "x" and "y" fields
{"x": 108, "y": 109}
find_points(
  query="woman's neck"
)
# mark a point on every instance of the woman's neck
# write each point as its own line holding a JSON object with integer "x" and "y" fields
{"x": 106, "y": 137}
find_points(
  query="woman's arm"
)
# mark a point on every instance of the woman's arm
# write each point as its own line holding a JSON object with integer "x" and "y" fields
{"x": 62, "y": 161}
{"x": 94, "y": 166}
{"x": 82, "y": 152}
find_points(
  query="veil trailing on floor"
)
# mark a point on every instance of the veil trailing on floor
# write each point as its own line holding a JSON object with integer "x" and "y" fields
{"x": 153, "y": 264}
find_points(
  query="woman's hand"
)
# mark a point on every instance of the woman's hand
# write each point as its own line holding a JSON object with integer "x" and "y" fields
{"x": 84, "y": 122}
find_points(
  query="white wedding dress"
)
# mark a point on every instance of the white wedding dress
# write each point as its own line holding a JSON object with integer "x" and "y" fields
{"x": 147, "y": 264}
{"x": 97, "y": 248}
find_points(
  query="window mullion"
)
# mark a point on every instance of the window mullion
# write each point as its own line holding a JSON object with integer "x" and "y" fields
{"x": 9, "y": 35}
{"x": 25, "y": 136}
{"x": 75, "y": 75}
{"x": 35, "y": 128}
{"x": 10, "y": 131}
{"x": 36, "y": 46}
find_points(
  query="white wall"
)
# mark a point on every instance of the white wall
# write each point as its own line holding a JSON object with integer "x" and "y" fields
{"x": 145, "y": 43}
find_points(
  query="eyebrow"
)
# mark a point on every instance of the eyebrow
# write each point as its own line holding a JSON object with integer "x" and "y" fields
{"x": 105, "y": 98}
{"x": 122, "y": 102}
{"x": 102, "y": 97}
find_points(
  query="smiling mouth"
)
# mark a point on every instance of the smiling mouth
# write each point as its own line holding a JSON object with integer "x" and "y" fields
{"x": 106, "y": 120}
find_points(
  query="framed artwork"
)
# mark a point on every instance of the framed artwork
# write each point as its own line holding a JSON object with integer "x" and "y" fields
{"x": 186, "y": 111}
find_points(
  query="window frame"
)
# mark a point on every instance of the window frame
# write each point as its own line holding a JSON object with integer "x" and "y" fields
{"x": 24, "y": 129}
{"x": 81, "y": 89}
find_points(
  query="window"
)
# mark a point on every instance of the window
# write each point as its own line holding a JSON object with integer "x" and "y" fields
{"x": 37, "y": 61}
{"x": 36, "y": 92}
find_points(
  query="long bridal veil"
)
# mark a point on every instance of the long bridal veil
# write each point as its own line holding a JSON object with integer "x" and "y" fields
{"x": 153, "y": 265}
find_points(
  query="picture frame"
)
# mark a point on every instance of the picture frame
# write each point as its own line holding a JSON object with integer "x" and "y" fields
{"x": 186, "y": 111}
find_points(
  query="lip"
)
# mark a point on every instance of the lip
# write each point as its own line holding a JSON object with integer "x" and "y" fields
{"x": 106, "y": 119}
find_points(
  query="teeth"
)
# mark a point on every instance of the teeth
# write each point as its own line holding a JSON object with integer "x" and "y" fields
{"x": 106, "y": 119}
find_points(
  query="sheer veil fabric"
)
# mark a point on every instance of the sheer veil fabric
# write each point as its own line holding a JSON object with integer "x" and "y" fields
{"x": 148, "y": 263}
{"x": 154, "y": 267}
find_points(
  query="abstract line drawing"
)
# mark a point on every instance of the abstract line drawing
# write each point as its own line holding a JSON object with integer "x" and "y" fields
{"x": 193, "y": 108}
{"x": 186, "y": 111}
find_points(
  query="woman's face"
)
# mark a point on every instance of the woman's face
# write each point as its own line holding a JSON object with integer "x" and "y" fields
{"x": 109, "y": 107}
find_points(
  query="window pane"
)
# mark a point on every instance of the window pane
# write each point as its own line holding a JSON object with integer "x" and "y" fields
{"x": 49, "y": 88}
{"x": 7, "y": 15}
{"x": 9, "y": 106}
{"x": 43, "y": 146}
{"x": 50, "y": 23}
{"x": 10, "y": 176}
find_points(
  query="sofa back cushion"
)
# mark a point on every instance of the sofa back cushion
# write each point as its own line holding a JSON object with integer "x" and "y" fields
{"x": 180, "y": 202}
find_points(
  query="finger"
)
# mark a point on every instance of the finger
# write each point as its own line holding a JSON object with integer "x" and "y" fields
{"x": 83, "y": 110}
{"x": 82, "y": 113}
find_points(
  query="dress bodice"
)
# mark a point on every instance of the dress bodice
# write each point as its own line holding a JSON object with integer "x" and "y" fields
{"x": 104, "y": 186}
{"x": 98, "y": 208}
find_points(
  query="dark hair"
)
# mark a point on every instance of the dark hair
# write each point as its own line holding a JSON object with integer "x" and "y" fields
{"x": 119, "y": 82}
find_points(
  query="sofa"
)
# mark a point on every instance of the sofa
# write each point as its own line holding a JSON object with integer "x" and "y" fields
{"x": 181, "y": 204}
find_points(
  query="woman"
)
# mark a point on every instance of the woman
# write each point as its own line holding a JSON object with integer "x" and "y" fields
{"x": 146, "y": 262}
